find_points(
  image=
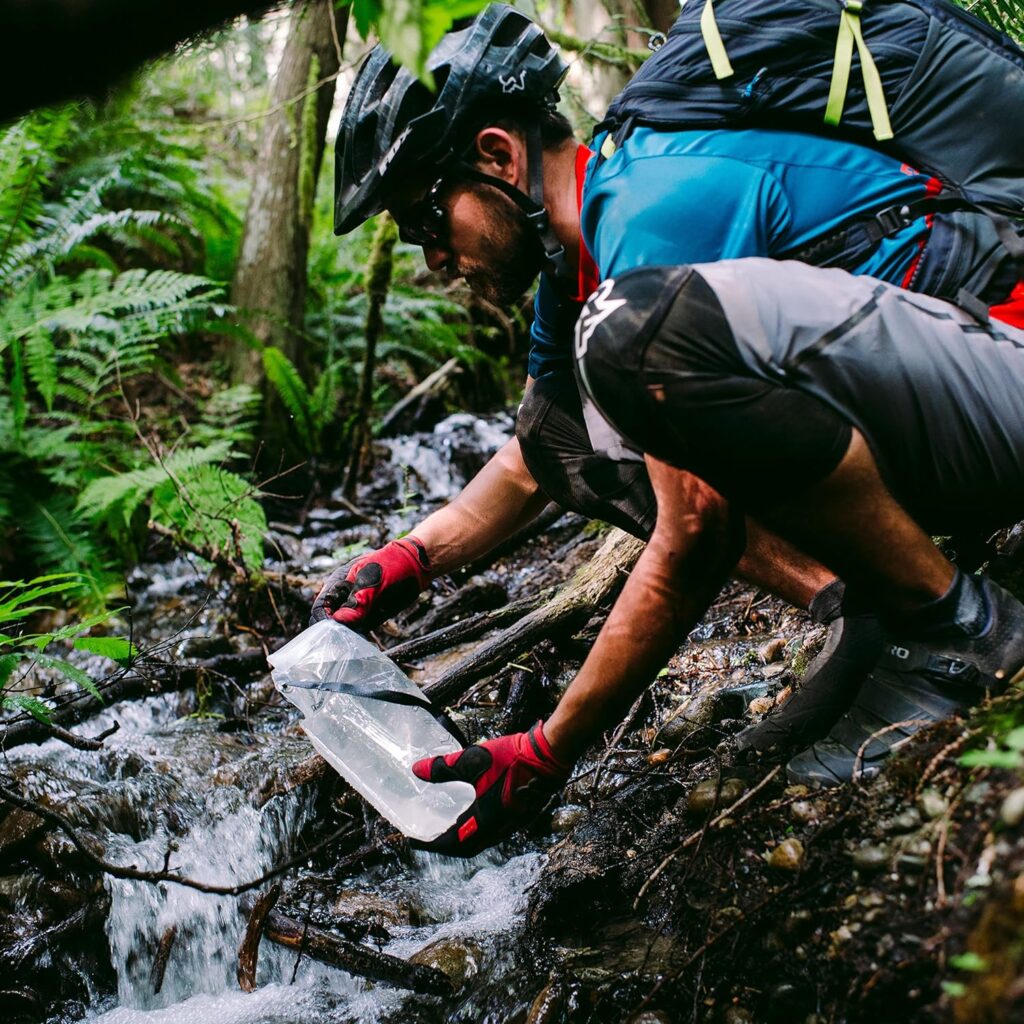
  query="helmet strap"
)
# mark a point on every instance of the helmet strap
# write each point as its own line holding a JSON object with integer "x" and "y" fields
{"x": 533, "y": 204}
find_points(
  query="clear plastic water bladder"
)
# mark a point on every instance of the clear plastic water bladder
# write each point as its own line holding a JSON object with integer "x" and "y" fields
{"x": 370, "y": 722}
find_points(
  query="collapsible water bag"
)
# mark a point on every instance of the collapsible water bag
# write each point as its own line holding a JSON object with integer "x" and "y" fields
{"x": 370, "y": 723}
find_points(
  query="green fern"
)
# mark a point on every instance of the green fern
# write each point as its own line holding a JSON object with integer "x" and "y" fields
{"x": 291, "y": 389}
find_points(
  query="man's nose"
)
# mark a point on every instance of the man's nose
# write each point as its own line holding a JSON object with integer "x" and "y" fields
{"x": 437, "y": 257}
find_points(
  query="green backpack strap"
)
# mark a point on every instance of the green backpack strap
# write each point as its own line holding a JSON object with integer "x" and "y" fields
{"x": 713, "y": 41}
{"x": 850, "y": 33}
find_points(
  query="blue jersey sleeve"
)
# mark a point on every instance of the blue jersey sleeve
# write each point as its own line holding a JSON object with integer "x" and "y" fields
{"x": 554, "y": 316}
{"x": 659, "y": 210}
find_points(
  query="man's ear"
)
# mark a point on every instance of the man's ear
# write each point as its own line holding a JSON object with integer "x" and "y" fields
{"x": 501, "y": 154}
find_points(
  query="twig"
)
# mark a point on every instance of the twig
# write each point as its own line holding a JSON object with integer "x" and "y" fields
{"x": 696, "y": 836}
{"x": 858, "y": 761}
{"x": 82, "y": 742}
{"x": 140, "y": 875}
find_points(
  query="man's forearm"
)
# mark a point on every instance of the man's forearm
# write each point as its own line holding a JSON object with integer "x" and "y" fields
{"x": 499, "y": 500}
{"x": 692, "y": 552}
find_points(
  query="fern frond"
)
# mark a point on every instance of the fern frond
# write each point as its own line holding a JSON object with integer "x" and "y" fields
{"x": 290, "y": 387}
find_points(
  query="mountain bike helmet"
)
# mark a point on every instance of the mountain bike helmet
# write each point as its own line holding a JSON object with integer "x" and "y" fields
{"x": 393, "y": 122}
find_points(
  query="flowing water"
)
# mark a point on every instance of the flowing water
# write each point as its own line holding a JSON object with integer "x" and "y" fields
{"x": 169, "y": 788}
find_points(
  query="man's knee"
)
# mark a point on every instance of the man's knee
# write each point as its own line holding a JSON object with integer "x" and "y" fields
{"x": 556, "y": 447}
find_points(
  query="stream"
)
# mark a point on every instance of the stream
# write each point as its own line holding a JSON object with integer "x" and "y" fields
{"x": 220, "y": 783}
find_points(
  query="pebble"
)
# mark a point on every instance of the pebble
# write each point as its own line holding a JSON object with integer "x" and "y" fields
{"x": 761, "y": 705}
{"x": 871, "y": 858}
{"x": 1012, "y": 811}
{"x": 932, "y": 804}
{"x": 789, "y": 855}
{"x": 906, "y": 821}
{"x": 707, "y": 795}
{"x": 772, "y": 650}
{"x": 804, "y": 812}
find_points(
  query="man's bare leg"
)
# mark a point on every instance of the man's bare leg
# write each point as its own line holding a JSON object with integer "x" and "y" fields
{"x": 773, "y": 564}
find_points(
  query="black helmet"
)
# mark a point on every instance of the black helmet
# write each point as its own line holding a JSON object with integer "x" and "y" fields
{"x": 392, "y": 120}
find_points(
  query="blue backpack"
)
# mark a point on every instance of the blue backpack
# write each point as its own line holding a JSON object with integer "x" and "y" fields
{"x": 922, "y": 80}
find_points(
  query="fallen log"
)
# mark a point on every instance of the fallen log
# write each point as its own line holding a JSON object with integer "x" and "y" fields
{"x": 351, "y": 956}
{"x": 468, "y": 629}
{"x": 572, "y": 605}
{"x": 159, "y": 678}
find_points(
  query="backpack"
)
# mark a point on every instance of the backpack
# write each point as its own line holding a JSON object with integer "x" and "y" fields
{"x": 922, "y": 80}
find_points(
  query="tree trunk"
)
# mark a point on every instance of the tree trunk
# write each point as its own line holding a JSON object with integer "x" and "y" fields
{"x": 270, "y": 278}
{"x": 378, "y": 281}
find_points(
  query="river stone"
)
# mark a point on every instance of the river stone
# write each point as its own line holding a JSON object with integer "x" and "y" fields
{"x": 367, "y": 906}
{"x": 458, "y": 958}
{"x": 18, "y": 827}
{"x": 789, "y": 855}
{"x": 548, "y": 1005}
{"x": 932, "y": 804}
{"x": 870, "y": 859}
{"x": 772, "y": 650}
{"x": 1012, "y": 811}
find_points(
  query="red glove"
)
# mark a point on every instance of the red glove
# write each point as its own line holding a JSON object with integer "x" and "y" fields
{"x": 514, "y": 777}
{"x": 370, "y": 590}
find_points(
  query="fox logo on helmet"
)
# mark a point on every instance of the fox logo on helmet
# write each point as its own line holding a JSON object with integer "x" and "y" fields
{"x": 513, "y": 83}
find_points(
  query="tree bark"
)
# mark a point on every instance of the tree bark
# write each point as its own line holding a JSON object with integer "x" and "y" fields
{"x": 270, "y": 277}
{"x": 378, "y": 281}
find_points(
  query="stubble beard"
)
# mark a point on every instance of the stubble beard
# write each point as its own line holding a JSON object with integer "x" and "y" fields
{"x": 511, "y": 255}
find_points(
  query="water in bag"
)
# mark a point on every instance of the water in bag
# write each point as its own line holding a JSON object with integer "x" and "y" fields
{"x": 370, "y": 723}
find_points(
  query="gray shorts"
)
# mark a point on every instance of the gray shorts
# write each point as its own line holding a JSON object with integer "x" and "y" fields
{"x": 751, "y": 373}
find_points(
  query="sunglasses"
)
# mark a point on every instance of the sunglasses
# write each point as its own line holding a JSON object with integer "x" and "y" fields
{"x": 424, "y": 222}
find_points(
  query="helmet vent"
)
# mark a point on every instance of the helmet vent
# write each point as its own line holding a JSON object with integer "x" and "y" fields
{"x": 510, "y": 30}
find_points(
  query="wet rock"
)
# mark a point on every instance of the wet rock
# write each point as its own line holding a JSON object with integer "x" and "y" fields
{"x": 932, "y": 804}
{"x": 60, "y": 896}
{"x": 871, "y": 859}
{"x": 366, "y": 906}
{"x": 914, "y": 858}
{"x": 19, "y": 827}
{"x": 773, "y": 671}
{"x": 761, "y": 705}
{"x": 789, "y": 855}
{"x": 459, "y": 959}
{"x": 707, "y": 795}
{"x": 566, "y": 818}
{"x": 772, "y": 650}
{"x": 16, "y": 889}
{"x": 1012, "y": 811}
{"x": 649, "y": 1017}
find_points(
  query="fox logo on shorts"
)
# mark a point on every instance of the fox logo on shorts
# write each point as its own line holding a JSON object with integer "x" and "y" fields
{"x": 598, "y": 308}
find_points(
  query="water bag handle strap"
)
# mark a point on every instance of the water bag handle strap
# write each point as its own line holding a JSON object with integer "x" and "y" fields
{"x": 413, "y": 700}
{"x": 352, "y": 690}
{"x": 713, "y": 41}
{"x": 850, "y": 33}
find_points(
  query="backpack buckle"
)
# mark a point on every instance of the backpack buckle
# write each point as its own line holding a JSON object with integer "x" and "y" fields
{"x": 893, "y": 219}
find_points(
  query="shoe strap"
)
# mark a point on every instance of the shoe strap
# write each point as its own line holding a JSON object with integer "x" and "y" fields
{"x": 943, "y": 668}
